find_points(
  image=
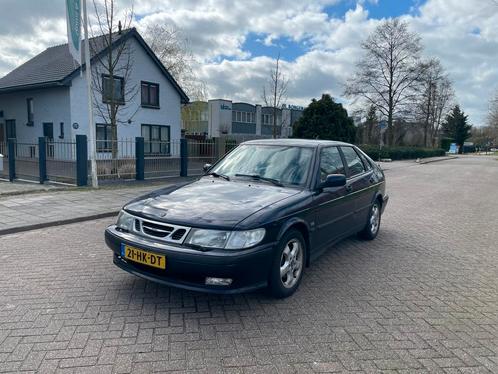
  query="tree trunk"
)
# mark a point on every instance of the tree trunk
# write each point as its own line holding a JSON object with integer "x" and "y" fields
{"x": 274, "y": 122}
{"x": 390, "y": 129}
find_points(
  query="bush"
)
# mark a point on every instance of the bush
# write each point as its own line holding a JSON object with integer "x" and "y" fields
{"x": 446, "y": 143}
{"x": 401, "y": 153}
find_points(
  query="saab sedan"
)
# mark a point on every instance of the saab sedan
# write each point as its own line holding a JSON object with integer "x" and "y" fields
{"x": 257, "y": 219}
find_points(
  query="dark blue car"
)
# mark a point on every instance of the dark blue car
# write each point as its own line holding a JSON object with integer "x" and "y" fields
{"x": 257, "y": 219}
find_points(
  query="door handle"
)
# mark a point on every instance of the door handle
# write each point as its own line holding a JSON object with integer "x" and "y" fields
{"x": 349, "y": 188}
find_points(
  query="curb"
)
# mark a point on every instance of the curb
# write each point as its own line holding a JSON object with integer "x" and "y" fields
{"x": 437, "y": 160}
{"x": 15, "y": 230}
{"x": 106, "y": 186}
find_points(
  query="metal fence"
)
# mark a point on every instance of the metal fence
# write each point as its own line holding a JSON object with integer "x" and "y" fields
{"x": 68, "y": 161}
{"x": 115, "y": 159}
{"x": 4, "y": 167}
{"x": 61, "y": 161}
{"x": 199, "y": 154}
{"x": 27, "y": 163}
{"x": 162, "y": 159}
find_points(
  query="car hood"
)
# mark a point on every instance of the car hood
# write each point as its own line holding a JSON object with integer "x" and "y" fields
{"x": 209, "y": 202}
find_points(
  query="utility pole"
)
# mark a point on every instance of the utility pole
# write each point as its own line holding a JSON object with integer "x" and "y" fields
{"x": 91, "y": 127}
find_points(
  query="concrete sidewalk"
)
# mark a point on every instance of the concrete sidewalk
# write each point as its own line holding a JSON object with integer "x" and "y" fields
{"x": 36, "y": 210}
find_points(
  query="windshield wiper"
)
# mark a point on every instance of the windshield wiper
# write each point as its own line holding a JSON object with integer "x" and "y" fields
{"x": 216, "y": 175}
{"x": 276, "y": 182}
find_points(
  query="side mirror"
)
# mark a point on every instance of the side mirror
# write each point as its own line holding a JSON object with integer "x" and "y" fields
{"x": 334, "y": 180}
{"x": 206, "y": 167}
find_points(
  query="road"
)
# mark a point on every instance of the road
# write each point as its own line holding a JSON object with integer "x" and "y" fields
{"x": 422, "y": 297}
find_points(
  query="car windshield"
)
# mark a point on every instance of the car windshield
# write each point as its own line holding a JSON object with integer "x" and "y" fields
{"x": 283, "y": 164}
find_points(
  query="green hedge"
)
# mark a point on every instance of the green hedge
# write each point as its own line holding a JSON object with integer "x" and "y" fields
{"x": 401, "y": 153}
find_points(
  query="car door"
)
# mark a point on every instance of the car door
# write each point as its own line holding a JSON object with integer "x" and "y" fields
{"x": 334, "y": 208}
{"x": 359, "y": 180}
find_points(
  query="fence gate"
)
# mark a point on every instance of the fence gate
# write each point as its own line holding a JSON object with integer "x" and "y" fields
{"x": 4, "y": 161}
{"x": 27, "y": 160}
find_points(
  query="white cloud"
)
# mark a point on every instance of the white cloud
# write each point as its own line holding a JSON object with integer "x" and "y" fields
{"x": 462, "y": 34}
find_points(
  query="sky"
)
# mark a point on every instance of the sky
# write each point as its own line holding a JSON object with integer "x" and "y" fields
{"x": 236, "y": 42}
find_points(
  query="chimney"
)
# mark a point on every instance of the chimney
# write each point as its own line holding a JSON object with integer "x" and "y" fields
{"x": 119, "y": 28}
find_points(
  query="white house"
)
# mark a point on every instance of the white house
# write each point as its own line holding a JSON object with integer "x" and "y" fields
{"x": 47, "y": 96}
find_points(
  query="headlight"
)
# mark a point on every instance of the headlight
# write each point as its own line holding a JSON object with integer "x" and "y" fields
{"x": 208, "y": 238}
{"x": 245, "y": 239}
{"x": 225, "y": 239}
{"x": 125, "y": 221}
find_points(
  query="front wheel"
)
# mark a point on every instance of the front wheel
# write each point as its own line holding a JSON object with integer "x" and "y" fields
{"x": 288, "y": 265}
{"x": 372, "y": 226}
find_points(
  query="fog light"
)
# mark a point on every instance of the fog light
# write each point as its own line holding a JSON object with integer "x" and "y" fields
{"x": 218, "y": 281}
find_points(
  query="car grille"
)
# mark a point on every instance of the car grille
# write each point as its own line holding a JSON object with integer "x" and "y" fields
{"x": 162, "y": 231}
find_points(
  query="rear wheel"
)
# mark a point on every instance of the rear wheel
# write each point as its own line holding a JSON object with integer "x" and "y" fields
{"x": 372, "y": 226}
{"x": 288, "y": 265}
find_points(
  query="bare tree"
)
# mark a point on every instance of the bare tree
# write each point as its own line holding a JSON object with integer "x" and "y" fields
{"x": 388, "y": 74}
{"x": 172, "y": 47}
{"x": 275, "y": 91}
{"x": 493, "y": 112}
{"x": 436, "y": 94}
{"x": 484, "y": 137}
{"x": 113, "y": 91}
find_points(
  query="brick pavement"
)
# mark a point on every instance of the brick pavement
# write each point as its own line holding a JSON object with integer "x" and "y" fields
{"x": 422, "y": 297}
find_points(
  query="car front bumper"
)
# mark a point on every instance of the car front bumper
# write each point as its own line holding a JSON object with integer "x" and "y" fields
{"x": 188, "y": 268}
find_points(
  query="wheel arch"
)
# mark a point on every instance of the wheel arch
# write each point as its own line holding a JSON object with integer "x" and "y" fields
{"x": 378, "y": 197}
{"x": 301, "y": 226}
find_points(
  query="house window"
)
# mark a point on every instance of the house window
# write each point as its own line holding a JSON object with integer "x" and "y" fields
{"x": 103, "y": 137}
{"x": 112, "y": 94}
{"x": 29, "y": 106}
{"x": 61, "y": 128}
{"x": 10, "y": 128}
{"x": 156, "y": 139}
{"x": 239, "y": 116}
{"x": 150, "y": 95}
{"x": 267, "y": 119}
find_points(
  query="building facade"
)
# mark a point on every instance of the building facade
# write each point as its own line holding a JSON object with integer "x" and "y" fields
{"x": 219, "y": 117}
{"x": 47, "y": 97}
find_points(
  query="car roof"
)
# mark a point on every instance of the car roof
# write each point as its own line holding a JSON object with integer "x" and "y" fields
{"x": 296, "y": 142}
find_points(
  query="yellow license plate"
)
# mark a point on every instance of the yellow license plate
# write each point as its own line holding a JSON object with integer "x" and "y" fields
{"x": 143, "y": 257}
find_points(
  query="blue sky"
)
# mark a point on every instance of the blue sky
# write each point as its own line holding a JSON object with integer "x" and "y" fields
{"x": 235, "y": 42}
{"x": 290, "y": 49}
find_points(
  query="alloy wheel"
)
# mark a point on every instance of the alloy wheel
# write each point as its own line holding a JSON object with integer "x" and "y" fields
{"x": 374, "y": 219}
{"x": 291, "y": 263}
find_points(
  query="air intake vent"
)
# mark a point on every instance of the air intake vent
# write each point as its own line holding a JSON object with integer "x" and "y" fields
{"x": 157, "y": 230}
{"x": 163, "y": 231}
{"x": 178, "y": 234}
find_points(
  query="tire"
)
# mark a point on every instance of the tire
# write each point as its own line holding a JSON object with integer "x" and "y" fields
{"x": 372, "y": 226}
{"x": 288, "y": 266}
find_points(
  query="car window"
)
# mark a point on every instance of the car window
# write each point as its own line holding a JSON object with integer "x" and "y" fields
{"x": 355, "y": 165}
{"x": 330, "y": 162}
{"x": 286, "y": 164}
{"x": 366, "y": 163}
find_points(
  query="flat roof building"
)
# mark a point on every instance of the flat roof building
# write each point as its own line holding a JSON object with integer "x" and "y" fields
{"x": 219, "y": 117}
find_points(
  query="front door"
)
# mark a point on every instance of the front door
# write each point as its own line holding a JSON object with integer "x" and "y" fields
{"x": 48, "y": 133}
{"x": 2, "y": 133}
{"x": 360, "y": 179}
{"x": 334, "y": 206}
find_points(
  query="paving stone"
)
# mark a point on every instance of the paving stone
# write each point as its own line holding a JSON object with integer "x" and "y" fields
{"x": 421, "y": 298}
